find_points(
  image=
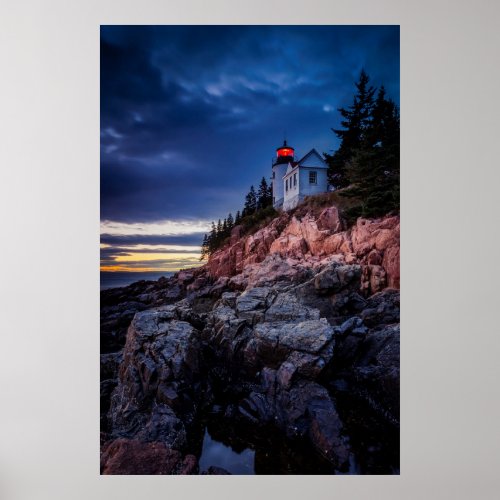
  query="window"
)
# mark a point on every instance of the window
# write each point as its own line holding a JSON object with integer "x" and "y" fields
{"x": 294, "y": 179}
{"x": 286, "y": 184}
{"x": 274, "y": 175}
{"x": 313, "y": 177}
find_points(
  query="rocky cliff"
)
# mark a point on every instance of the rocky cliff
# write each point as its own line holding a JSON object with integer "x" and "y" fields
{"x": 314, "y": 239}
{"x": 293, "y": 330}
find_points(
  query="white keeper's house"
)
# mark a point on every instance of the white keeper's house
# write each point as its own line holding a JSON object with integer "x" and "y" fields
{"x": 294, "y": 180}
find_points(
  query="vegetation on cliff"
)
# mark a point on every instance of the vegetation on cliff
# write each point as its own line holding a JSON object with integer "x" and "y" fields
{"x": 257, "y": 208}
{"x": 366, "y": 164}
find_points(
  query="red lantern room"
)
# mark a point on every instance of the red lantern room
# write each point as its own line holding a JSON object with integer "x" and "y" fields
{"x": 284, "y": 154}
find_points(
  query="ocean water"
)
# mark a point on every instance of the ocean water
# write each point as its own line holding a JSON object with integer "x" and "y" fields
{"x": 119, "y": 279}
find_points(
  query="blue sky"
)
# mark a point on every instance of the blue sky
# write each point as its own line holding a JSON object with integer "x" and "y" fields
{"x": 191, "y": 117}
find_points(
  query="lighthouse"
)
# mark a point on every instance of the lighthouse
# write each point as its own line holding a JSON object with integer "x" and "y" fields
{"x": 294, "y": 180}
{"x": 284, "y": 156}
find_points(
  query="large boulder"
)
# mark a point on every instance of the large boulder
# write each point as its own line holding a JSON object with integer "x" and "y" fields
{"x": 158, "y": 378}
{"x": 272, "y": 343}
{"x": 337, "y": 277}
{"x": 300, "y": 409}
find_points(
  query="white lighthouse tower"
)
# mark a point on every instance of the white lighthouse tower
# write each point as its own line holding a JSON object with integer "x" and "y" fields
{"x": 284, "y": 156}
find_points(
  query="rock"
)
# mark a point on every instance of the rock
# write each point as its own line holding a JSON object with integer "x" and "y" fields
{"x": 274, "y": 271}
{"x": 158, "y": 375}
{"x": 126, "y": 456}
{"x": 375, "y": 242}
{"x": 286, "y": 307}
{"x": 308, "y": 365}
{"x": 289, "y": 245}
{"x": 381, "y": 309}
{"x": 329, "y": 219}
{"x": 391, "y": 265}
{"x": 305, "y": 409}
{"x": 326, "y": 431}
{"x": 270, "y": 344}
{"x": 250, "y": 304}
{"x": 285, "y": 374}
{"x": 337, "y": 277}
{"x": 376, "y": 372}
{"x": 109, "y": 364}
{"x": 374, "y": 279}
{"x": 327, "y": 281}
{"x": 374, "y": 258}
{"x": 307, "y": 336}
{"x": 229, "y": 299}
{"x": 163, "y": 425}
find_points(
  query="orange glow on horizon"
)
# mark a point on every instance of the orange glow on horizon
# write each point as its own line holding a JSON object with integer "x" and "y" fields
{"x": 173, "y": 269}
{"x": 144, "y": 257}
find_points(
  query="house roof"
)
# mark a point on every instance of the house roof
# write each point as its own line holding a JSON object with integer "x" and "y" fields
{"x": 311, "y": 160}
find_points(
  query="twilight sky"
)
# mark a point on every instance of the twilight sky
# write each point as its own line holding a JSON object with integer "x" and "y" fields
{"x": 191, "y": 117}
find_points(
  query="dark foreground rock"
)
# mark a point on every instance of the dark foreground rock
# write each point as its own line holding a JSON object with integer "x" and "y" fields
{"x": 126, "y": 456}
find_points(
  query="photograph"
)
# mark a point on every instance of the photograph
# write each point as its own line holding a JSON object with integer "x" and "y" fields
{"x": 249, "y": 250}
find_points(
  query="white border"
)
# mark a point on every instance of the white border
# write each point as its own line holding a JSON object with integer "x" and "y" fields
{"x": 49, "y": 200}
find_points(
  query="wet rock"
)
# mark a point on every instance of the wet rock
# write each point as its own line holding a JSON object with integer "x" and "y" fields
{"x": 301, "y": 409}
{"x": 326, "y": 432}
{"x": 126, "y": 456}
{"x": 164, "y": 426}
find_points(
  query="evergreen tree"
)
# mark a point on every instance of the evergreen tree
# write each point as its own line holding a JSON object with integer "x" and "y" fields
{"x": 263, "y": 200}
{"x": 355, "y": 123}
{"x": 250, "y": 202}
{"x": 212, "y": 239}
{"x": 373, "y": 169}
{"x": 204, "y": 248}
{"x": 218, "y": 233}
{"x": 230, "y": 221}
{"x": 237, "y": 219}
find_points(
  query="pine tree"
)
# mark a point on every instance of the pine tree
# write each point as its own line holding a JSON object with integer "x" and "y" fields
{"x": 263, "y": 199}
{"x": 212, "y": 239}
{"x": 230, "y": 221}
{"x": 373, "y": 169}
{"x": 250, "y": 202}
{"x": 204, "y": 248}
{"x": 355, "y": 123}
{"x": 218, "y": 233}
{"x": 237, "y": 219}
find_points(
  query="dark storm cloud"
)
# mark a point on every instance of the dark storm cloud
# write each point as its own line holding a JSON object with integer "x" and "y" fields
{"x": 191, "y": 116}
{"x": 192, "y": 239}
